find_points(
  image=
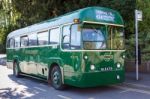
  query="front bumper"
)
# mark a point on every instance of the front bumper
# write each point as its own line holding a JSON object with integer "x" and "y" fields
{"x": 93, "y": 79}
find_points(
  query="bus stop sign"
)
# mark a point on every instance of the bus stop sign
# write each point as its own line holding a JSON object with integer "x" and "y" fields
{"x": 138, "y": 15}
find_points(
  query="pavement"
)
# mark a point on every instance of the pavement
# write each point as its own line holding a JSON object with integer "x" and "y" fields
{"x": 143, "y": 82}
{"x": 3, "y": 59}
{"x": 28, "y": 88}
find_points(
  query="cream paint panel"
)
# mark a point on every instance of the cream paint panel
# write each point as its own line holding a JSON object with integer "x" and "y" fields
{"x": 22, "y": 66}
{"x": 28, "y": 67}
{"x": 9, "y": 65}
{"x": 41, "y": 66}
{"x": 32, "y": 67}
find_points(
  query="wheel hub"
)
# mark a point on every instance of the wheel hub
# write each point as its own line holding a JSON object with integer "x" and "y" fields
{"x": 56, "y": 78}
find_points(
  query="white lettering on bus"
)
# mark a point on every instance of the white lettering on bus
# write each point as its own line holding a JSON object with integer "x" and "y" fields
{"x": 107, "y": 16}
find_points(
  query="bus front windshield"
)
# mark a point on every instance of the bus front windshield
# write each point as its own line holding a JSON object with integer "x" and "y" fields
{"x": 115, "y": 38}
{"x": 94, "y": 37}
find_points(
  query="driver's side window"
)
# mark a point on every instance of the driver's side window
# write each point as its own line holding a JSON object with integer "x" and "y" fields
{"x": 66, "y": 37}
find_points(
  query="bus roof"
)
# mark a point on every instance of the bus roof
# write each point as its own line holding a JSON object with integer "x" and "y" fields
{"x": 89, "y": 14}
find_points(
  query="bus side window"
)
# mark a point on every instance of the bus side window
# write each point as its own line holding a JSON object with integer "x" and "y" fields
{"x": 42, "y": 37}
{"x": 17, "y": 42}
{"x": 54, "y": 36}
{"x": 32, "y": 39}
{"x": 11, "y": 43}
{"x": 66, "y": 37}
{"x": 24, "y": 41}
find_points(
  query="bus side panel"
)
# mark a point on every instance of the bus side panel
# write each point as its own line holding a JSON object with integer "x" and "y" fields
{"x": 46, "y": 57}
{"x": 10, "y": 53}
{"x": 42, "y": 63}
{"x": 72, "y": 66}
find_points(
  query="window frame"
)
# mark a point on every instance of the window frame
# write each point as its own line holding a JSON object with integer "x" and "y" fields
{"x": 21, "y": 40}
{"x": 18, "y": 42}
{"x": 104, "y": 35}
{"x": 35, "y": 34}
{"x": 81, "y": 46}
{"x": 112, "y": 37}
{"x": 38, "y": 37}
{"x": 49, "y": 35}
{"x": 62, "y": 39}
{"x": 9, "y": 43}
{"x": 70, "y": 32}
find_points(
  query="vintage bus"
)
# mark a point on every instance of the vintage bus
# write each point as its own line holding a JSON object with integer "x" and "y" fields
{"x": 84, "y": 48}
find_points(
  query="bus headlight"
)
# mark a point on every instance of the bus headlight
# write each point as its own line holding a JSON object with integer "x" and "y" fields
{"x": 85, "y": 57}
{"x": 92, "y": 67}
{"x": 118, "y": 65}
{"x": 123, "y": 56}
{"x": 118, "y": 77}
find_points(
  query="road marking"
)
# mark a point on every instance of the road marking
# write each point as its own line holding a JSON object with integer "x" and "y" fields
{"x": 91, "y": 98}
{"x": 39, "y": 88}
{"x": 41, "y": 84}
{"x": 125, "y": 91}
{"x": 132, "y": 89}
{"x": 138, "y": 85}
{"x": 21, "y": 82}
{"x": 63, "y": 97}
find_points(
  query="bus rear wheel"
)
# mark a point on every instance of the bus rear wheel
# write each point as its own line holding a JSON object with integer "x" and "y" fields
{"x": 16, "y": 72}
{"x": 56, "y": 78}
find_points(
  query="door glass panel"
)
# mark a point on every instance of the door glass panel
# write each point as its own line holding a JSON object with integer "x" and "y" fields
{"x": 66, "y": 37}
{"x": 75, "y": 37}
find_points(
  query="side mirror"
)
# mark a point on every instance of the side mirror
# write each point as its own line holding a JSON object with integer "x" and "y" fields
{"x": 64, "y": 38}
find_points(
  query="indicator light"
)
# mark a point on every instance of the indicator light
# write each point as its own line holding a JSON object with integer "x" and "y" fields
{"x": 76, "y": 20}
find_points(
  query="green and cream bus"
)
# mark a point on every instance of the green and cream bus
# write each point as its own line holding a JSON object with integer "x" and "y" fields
{"x": 84, "y": 48}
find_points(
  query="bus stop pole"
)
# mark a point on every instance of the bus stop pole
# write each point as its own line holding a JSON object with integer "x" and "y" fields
{"x": 136, "y": 40}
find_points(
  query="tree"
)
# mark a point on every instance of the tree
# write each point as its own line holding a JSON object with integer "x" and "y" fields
{"x": 144, "y": 30}
{"x": 22, "y": 13}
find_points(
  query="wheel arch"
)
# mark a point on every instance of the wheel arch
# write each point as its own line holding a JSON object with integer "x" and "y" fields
{"x": 60, "y": 65}
{"x": 16, "y": 60}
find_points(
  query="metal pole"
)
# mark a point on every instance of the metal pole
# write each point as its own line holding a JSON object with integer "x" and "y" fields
{"x": 136, "y": 40}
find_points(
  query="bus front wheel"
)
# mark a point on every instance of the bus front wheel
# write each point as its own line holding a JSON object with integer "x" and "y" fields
{"x": 56, "y": 78}
{"x": 16, "y": 70}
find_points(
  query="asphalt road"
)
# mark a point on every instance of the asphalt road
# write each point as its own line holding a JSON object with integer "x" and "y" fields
{"x": 28, "y": 88}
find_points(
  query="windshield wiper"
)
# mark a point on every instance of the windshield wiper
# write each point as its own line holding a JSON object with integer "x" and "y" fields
{"x": 94, "y": 30}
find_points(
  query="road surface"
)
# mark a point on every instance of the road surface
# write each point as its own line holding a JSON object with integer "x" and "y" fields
{"x": 25, "y": 87}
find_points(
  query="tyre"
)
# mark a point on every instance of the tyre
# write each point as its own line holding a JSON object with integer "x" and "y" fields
{"x": 56, "y": 78}
{"x": 16, "y": 72}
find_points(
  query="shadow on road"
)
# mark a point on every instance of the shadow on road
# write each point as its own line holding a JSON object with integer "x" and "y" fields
{"x": 27, "y": 87}
{"x": 40, "y": 89}
{"x": 9, "y": 93}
